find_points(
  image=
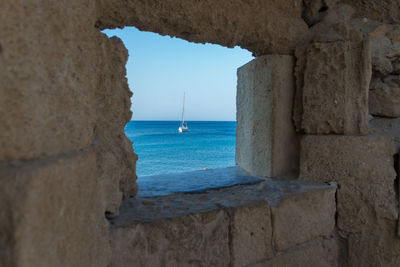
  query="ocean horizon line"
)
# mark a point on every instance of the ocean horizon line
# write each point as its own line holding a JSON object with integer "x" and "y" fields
{"x": 189, "y": 120}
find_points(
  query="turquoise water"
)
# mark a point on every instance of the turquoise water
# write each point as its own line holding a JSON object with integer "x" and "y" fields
{"x": 163, "y": 150}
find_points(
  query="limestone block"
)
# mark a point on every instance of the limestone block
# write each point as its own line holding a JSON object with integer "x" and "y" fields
{"x": 52, "y": 214}
{"x": 385, "y": 102}
{"x": 251, "y": 234}
{"x": 115, "y": 157}
{"x": 261, "y": 26}
{"x": 47, "y": 78}
{"x": 386, "y": 127}
{"x": 303, "y": 217}
{"x": 379, "y": 10}
{"x": 200, "y": 239}
{"x": 381, "y": 48}
{"x": 315, "y": 11}
{"x": 222, "y": 227}
{"x": 363, "y": 168}
{"x": 266, "y": 143}
{"x": 332, "y": 87}
{"x": 318, "y": 253}
{"x": 373, "y": 250}
{"x": 384, "y": 94}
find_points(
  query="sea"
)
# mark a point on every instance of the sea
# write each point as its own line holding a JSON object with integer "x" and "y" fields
{"x": 172, "y": 162}
{"x": 163, "y": 150}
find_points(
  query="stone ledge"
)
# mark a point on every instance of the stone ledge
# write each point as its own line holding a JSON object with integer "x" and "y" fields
{"x": 245, "y": 224}
{"x": 271, "y": 191}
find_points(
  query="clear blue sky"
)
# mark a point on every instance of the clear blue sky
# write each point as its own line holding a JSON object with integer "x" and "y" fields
{"x": 161, "y": 68}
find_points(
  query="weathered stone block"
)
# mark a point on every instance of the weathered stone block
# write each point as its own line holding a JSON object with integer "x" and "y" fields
{"x": 303, "y": 217}
{"x": 197, "y": 239}
{"x": 222, "y": 227}
{"x": 319, "y": 253}
{"x": 266, "y": 143}
{"x": 332, "y": 88}
{"x": 379, "y": 10}
{"x": 363, "y": 168}
{"x": 47, "y": 87}
{"x": 386, "y": 127}
{"x": 384, "y": 95}
{"x": 373, "y": 250}
{"x": 315, "y": 11}
{"x": 115, "y": 157}
{"x": 385, "y": 102}
{"x": 52, "y": 214}
{"x": 251, "y": 234}
{"x": 261, "y": 26}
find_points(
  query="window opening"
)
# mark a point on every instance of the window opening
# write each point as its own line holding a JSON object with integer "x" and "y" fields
{"x": 162, "y": 70}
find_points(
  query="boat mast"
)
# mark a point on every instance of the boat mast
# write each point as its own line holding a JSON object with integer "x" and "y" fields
{"x": 183, "y": 109}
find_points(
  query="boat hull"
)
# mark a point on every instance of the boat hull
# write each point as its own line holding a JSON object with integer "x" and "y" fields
{"x": 183, "y": 129}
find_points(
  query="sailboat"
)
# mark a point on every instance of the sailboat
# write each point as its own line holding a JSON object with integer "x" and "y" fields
{"x": 183, "y": 127}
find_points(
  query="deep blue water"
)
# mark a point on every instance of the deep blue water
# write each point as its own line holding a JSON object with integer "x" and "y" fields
{"x": 162, "y": 149}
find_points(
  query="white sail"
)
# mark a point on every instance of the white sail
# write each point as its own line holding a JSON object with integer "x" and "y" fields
{"x": 183, "y": 127}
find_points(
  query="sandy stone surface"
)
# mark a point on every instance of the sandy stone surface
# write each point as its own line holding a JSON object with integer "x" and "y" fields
{"x": 115, "y": 158}
{"x": 373, "y": 250}
{"x": 332, "y": 87}
{"x": 251, "y": 234}
{"x": 386, "y": 127}
{"x": 302, "y": 218}
{"x": 63, "y": 92}
{"x": 266, "y": 142}
{"x": 384, "y": 95}
{"x": 199, "y": 239}
{"x": 364, "y": 170}
{"x": 385, "y": 101}
{"x": 51, "y": 214}
{"x": 319, "y": 253}
{"x": 263, "y": 27}
{"x": 246, "y": 224}
{"x": 379, "y": 10}
{"x": 47, "y": 82}
{"x": 65, "y": 161}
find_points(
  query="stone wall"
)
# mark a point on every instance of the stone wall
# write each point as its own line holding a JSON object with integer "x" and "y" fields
{"x": 347, "y": 72}
{"x": 64, "y": 101}
{"x": 266, "y": 141}
{"x": 270, "y": 223}
{"x": 271, "y": 26}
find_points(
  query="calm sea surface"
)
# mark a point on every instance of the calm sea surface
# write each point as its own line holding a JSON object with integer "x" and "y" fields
{"x": 162, "y": 149}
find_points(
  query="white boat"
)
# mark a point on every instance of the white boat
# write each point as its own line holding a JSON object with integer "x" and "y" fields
{"x": 183, "y": 127}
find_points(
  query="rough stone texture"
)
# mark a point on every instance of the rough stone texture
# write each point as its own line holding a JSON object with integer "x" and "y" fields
{"x": 64, "y": 159}
{"x": 379, "y": 10}
{"x": 385, "y": 102}
{"x": 386, "y": 127}
{"x": 50, "y": 213}
{"x": 363, "y": 169}
{"x": 373, "y": 250}
{"x": 302, "y": 218}
{"x": 385, "y": 87}
{"x": 116, "y": 160}
{"x": 61, "y": 79}
{"x": 336, "y": 25}
{"x": 251, "y": 234}
{"x": 199, "y": 239}
{"x": 315, "y": 10}
{"x": 266, "y": 142}
{"x": 332, "y": 87}
{"x": 47, "y": 86}
{"x": 224, "y": 226}
{"x": 263, "y": 27}
{"x": 319, "y": 253}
